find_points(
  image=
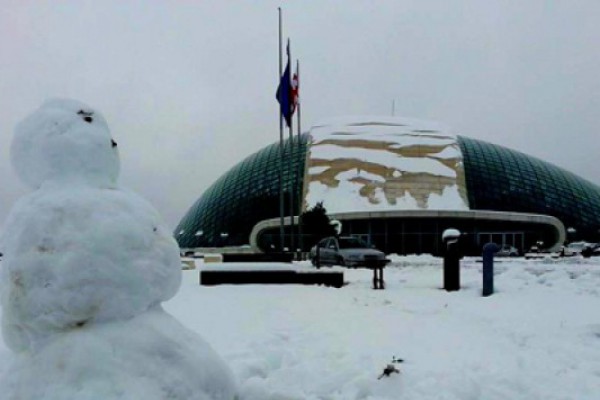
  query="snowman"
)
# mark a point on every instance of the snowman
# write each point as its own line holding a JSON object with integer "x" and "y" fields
{"x": 86, "y": 267}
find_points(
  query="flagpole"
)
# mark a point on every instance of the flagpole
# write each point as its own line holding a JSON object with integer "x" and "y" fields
{"x": 298, "y": 178}
{"x": 290, "y": 166}
{"x": 281, "y": 244}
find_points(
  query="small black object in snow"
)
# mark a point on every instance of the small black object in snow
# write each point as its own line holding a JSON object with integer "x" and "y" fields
{"x": 389, "y": 370}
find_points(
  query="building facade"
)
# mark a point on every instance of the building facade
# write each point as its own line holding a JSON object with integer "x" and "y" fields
{"x": 397, "y": 184}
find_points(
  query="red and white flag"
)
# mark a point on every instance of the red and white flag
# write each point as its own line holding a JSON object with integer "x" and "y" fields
{"x": 295, "y": 90}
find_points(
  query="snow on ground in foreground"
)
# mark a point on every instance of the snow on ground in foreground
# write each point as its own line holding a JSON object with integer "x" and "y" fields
{"x": 538, "y": 337}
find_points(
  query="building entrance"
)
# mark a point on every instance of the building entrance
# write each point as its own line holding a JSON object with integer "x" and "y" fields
{"x": 515, "y": 239}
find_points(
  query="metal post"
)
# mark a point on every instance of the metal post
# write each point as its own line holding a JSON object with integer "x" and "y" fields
{"x": 450, "y": 237}
{"x": 281, "y": 243}
{"x": 290, "y": 168}
{"x": 488, "y": 268}
{"x": 299, "y": 190}
{"x": 378, "y": 282}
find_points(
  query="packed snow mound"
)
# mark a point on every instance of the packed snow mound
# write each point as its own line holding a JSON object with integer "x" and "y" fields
{"x": 79, "y": 255}
{"x": 86, "y": 266}
{"x": 150, "y": 357}
{"x": 65, "y": 140}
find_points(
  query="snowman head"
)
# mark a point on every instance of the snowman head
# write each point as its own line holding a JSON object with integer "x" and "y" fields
{"x": 65, "y": 141}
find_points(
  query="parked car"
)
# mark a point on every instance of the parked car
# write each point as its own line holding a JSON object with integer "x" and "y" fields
{"x": 537, "y": 251}
{"x": 507, "y": 251}
{"x": 346, "y": 251}
{"x": 595, "y": 250}
{"x": 575, "y": 248}
{"x": 586, "y": 249}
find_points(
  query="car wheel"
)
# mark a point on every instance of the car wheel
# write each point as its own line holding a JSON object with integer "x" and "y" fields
{"x": 340, "y": 261}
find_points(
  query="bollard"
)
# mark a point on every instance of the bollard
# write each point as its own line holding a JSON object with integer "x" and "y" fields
{"x": 451, "y": 260}
{"x": 488, "y": 268}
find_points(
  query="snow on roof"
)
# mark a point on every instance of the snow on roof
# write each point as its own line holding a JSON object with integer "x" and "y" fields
{"x": 384, "y": 163}
{"x": 382, "y": 157}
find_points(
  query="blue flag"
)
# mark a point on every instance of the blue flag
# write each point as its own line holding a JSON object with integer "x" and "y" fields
{"x": 285, "y": 94}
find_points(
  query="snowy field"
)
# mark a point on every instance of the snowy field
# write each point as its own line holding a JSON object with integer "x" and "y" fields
{"x": 538, "y": 337}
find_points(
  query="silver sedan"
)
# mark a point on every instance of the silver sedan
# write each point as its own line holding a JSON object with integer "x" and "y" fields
{"x": 346, "y": 251}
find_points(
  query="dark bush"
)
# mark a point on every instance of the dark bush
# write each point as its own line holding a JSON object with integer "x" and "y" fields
{"x": 316, "y": 225}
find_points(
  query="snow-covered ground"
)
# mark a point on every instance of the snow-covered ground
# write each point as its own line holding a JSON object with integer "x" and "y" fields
{"x": 538, "y": 337}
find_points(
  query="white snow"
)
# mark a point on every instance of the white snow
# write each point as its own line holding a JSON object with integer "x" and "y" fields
{"x": 349, "y": 145}
{"x": 60, "y": 127}
{"x": 356, "y": 124}
{"x": 317, "y": 170}
{"x": 537, "y": 337}
{"x": 151, "y": 356}
{"x": 391, "y": 135}
{"x": 352, "y": 200}
{"x": 243, "y": 266}
{"x": 382, "y": 157}
{"x": 86, "y": 267}
{"x": 450, "y": 152}
{"x": 449, "y": 200}
{"x": 361, "y": 174}
{"x": 450, "y": 233}
{"x": 80, "y": 254}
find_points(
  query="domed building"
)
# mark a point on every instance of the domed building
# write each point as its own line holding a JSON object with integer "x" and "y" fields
{"x": 397, "y": 184}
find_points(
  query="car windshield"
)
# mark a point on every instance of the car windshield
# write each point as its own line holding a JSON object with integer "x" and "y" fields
{"x": 352, "y": 243}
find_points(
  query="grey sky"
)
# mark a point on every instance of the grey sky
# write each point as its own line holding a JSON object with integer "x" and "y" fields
{"x": 188, "y": 86}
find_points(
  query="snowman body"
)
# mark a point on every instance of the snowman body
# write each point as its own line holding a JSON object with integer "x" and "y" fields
{"x": 86, "y": 266}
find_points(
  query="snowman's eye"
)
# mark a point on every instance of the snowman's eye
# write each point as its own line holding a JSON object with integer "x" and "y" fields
{"x": 87, "y": 116}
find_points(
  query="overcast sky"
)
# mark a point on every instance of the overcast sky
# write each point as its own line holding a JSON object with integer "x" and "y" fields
{"x": 188, "y": 86}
